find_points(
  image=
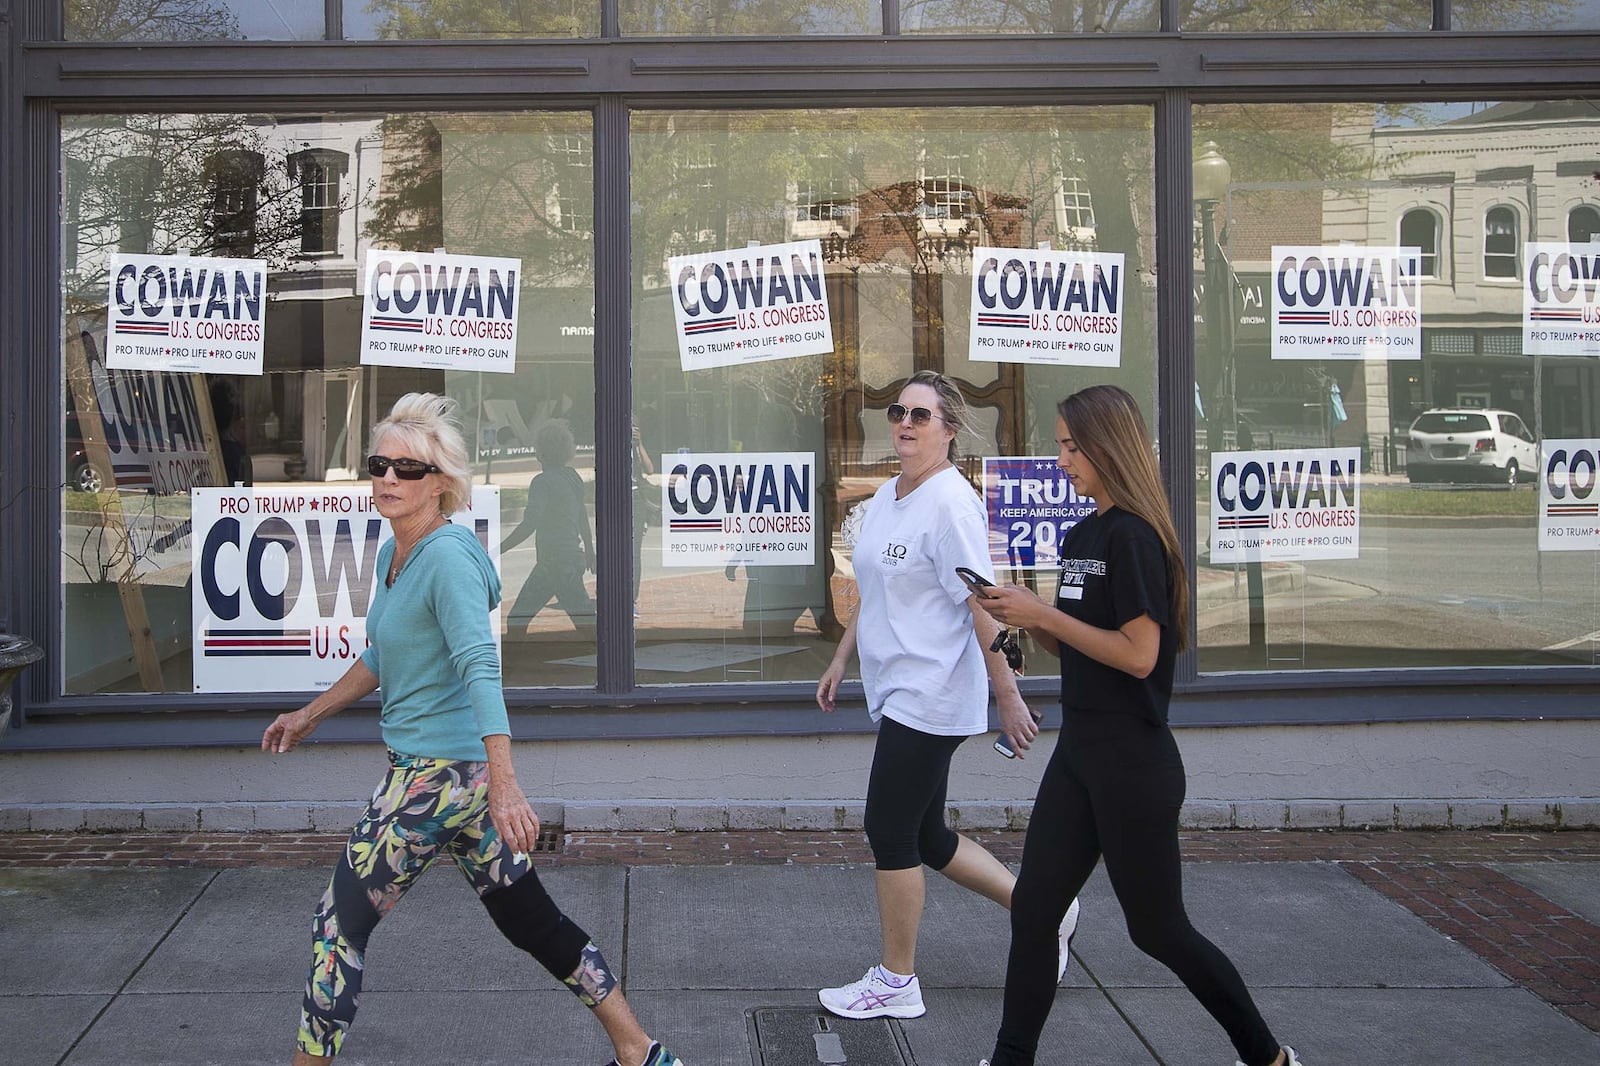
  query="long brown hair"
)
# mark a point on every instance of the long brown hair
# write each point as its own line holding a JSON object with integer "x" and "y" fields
{"x": 1107, "y": 427}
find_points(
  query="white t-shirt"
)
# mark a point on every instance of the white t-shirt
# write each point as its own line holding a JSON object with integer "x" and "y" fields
{"x": 920, "y": 660}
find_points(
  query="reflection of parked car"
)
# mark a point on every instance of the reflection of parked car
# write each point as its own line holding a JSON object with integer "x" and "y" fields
{"x": 81, "y": 474}
{"x": 1471, "y": 444}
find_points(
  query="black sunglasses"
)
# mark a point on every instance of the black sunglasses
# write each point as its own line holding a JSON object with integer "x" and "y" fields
{"x": 920, "y": 416}
{"x": 404, "y": 469}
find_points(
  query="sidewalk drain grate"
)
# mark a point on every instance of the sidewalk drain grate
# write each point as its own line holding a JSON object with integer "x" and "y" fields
{"x": 810, "y": 1036}
{"x": 548, "y": 842}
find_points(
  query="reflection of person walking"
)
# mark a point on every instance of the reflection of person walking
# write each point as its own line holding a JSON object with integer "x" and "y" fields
{"x": 646, "y": 507}
{"x": 451, "y": 789}
{"x": 1115, "y": 782}
{"x": 557, "y": 518}
{"x": 927, "y": 675}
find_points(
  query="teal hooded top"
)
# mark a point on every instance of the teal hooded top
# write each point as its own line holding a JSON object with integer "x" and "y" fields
{"x": 432, "y": 651}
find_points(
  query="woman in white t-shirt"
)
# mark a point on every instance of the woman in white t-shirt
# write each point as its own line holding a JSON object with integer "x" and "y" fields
{"x": 927, "y": 669}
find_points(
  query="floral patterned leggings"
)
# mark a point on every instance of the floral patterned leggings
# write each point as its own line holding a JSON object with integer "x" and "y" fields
{"x": 426, "y": 808}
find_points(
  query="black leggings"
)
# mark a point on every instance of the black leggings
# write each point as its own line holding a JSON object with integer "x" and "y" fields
{"x": 1113, "y": 789}
{"x": 905, "y": 798}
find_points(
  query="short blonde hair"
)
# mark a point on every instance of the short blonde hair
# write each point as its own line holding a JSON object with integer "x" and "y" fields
{"x": 427, "y": 424}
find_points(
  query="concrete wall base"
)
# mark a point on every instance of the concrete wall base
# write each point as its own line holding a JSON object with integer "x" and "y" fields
{"x": 1552, "y": 813}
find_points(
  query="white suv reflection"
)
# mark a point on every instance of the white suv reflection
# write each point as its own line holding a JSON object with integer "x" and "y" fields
{"x": 1471, "y": 444}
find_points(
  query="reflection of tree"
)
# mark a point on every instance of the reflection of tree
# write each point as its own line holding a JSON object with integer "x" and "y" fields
{"x": 170, "y": 185}
{"x": 1214, "y": 16}
{"x": 150, "y": 20}
{"x": 441, "y": 19}
{"x": 490, "y": 185}
{"x": 764, "y": 17}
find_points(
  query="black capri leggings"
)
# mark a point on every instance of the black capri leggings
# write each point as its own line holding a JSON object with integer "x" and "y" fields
{"x": 905, "y": 798}
{"x": 1113, "y": 788}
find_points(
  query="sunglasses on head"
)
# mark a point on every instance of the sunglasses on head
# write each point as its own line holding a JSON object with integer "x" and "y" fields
{"x": 920, "y": 416}
{"x": 404, "y": 469}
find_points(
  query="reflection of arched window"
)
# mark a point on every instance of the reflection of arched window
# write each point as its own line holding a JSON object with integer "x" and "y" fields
{"x": 234, "y": 177}
{"x": 1500, "y": 243}
{"x": 319, "y": 172}
{"x": 133, "y": 186}
{"x": 946, "y": 185}
{"x": 1419, "y": 228}
{"x": 1583, "y": 224}
{"x": 574, "y": 191}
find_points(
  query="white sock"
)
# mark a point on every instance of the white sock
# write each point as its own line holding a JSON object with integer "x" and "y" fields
{"x": 897, "y": 980}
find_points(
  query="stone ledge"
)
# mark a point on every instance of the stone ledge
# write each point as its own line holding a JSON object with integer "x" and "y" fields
{"x": 815, "y": 816}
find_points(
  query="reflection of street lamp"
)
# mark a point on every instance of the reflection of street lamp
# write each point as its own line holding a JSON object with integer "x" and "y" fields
{"x": 1212, "y": 176}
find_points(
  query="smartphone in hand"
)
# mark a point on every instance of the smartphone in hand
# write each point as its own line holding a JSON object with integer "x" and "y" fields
{"x": 1003, "y": 743}
{"x": 974, "y": 580}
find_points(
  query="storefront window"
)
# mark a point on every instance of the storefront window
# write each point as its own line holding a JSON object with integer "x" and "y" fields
{"x": 407, "y": 20}
{"x": 1477, "y": 16}
{"x": 312, "y": 203}
{"x": 764, "y": 18}
{"x": 1222, "y": 16}
{"x": 1377, "y": 431}
{"x": 194, "y": 20}
{"x": 897, "y": 202}
{"x": 1038, "y": 16}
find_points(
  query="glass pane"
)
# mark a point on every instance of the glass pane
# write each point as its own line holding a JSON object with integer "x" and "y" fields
{"x": 1474, "y": 16}
{"x": 194, "y": 20}
{"x": 437, "y": 20}
{"x": 314, "y": 199}
{"x": 1223, "y": 16}
{"x": 734, "y": 18}
{"x": 1031, "y": 16}
{"x": 896, "y": 199}
{"x": 1426, "y": 381}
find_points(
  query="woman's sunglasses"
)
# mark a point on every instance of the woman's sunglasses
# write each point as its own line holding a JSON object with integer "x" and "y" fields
{"x": 920, "y": 416}
{"x": 404, "y": 469}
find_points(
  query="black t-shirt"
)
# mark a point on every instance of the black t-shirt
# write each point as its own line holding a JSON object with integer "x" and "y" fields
{"x": 1114, "y": 569}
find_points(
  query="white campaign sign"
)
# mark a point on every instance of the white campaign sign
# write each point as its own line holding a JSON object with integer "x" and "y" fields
{"x": 192, "y": 314}
{"x": 748, "y": 305}
{"x": 1346, "y": 302}
{"x": 1561, "y": 299}
{"x": 439, "y": 311}
{"x": 1041, "y": 306}
{"x": 1285, "y": 505}
{"x": 747, "y": 508}
{"x": 283, "y": 580}
{"x": 1569, "y": 496}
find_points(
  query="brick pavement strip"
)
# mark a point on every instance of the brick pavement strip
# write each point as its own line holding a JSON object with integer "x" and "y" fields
{"x": 1443, "y": 877}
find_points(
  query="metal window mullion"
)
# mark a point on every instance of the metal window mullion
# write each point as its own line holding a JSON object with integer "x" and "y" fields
{"x": 891, "y": 18}
{"x": 613, "y": 395}
{"x": 1175, "y": 368}
{"x": 610, "y": 19}
{"x": 1442, "y": 15}
{"x": 333, "y": 20}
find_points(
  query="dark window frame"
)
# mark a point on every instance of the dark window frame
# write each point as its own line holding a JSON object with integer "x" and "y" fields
{"x": 607, "y": 77}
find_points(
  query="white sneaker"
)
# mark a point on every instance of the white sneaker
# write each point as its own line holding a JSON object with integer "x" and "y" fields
{"x": 1069, "y": 927}
{"x": 873, "y": 997}
{"x": 1289, "y": 1058}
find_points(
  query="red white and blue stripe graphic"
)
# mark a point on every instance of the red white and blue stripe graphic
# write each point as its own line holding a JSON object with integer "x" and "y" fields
{"x": 696, "y": 525}
{"x": 1303, "y": 318}
{"x": 711, "y": 325}
{"x": 996, "y": 318}
{"x": 1558, "y": 510}
{"x": 153, "y": 329}
{"x": 396, "y": 325}
{"x": 1551, "y": 314}
{"x": 1246, "y": 522}
{"x": 257, "y": 642}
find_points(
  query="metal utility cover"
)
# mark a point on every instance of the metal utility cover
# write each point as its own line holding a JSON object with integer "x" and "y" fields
{"x": 810, "y": 1036}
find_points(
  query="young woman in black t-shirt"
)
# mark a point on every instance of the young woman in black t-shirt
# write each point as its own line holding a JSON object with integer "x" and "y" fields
{"x": 1116, "y": 781}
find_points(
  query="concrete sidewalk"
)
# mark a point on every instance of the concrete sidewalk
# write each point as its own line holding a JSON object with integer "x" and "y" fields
{"x": 162, "y": 955}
